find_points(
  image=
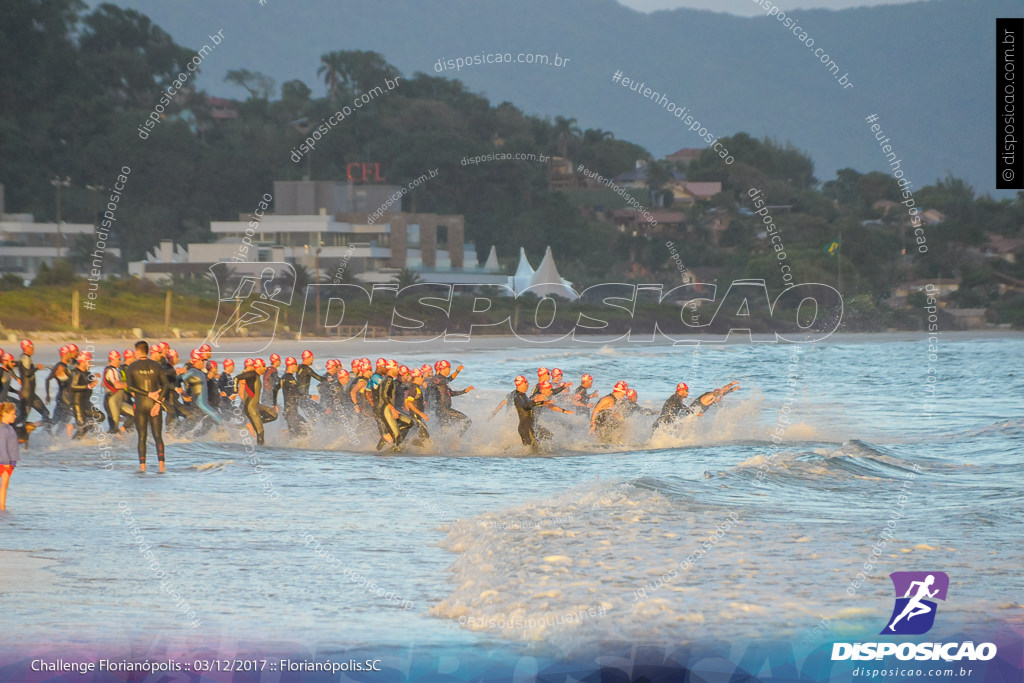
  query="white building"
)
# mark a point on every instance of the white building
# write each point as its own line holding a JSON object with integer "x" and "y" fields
{"x": 25, "y": 245}
{"x": 327, "y": 227}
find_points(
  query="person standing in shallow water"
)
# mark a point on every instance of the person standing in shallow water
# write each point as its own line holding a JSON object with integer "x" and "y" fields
{"x": 8, "y": 448}
{"x": 148, "y": 383}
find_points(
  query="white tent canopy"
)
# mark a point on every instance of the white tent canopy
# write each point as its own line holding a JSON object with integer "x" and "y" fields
{"x": 547, "y": 282}
{"x": 491, "y": 265}
{"x": 524, "y": 274}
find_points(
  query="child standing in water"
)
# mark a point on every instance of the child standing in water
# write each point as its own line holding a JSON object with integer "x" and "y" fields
{"x": 8, "y": 448}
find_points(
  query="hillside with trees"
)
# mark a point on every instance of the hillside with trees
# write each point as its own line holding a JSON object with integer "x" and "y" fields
{"x": 77, "y": 85}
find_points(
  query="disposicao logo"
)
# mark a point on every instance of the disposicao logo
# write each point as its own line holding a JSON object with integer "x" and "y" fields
{"x": 913, "y": 615}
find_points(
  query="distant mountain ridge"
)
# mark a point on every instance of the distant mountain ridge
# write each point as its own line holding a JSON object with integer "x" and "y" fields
{"x": 926, "y": 69}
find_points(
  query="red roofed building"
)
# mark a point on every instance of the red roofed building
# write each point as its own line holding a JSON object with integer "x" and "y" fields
{"x": 221, "y": 109}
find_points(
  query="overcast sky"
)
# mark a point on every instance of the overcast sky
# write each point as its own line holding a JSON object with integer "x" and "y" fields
{"x": 750, "y": 7}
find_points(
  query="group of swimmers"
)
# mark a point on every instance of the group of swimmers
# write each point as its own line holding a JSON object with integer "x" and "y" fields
{"x": 142, "y": 384}
{"x": 608, "y": 416}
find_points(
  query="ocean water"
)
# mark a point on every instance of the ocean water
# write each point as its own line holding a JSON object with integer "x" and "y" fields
{"x": 702, "y": 531}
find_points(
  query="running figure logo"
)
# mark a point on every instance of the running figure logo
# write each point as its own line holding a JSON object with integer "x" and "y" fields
{"x": 914, "y": 613}
{"x": 250, "y": 302}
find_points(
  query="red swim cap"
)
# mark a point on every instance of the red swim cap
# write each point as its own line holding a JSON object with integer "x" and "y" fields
{"x": 205, "y": 348}
{"x": 631, "y": 395}
{"x": 586, "y": 378}
{"x": 229, "y": 364}
{"x": 556, "y": 373}
{"x": 259, "y": 363}
{"x": 544, "y": 385}
{"x": 307, "y": 354}
{"x": 196, "y": 354}
{"x": 112, "y": 355}
{"x": 621, "y": 386}
{"x": 520, "y": 380}
{"x": 542, "y": 371}
{"x": 290, "y": 360}
{"x": 682, "y": 387}
{"x": 26, "y": 344}
{"x": 275, "y": 358}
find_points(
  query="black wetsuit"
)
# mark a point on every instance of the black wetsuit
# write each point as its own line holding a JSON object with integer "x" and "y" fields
{"x": 226, "y": 385}
{"x": 304, "y": 375}
{"x": 582, "y": 396}
{"x": 171, "y": 398}
{"x": 529, "y": 431}
{"x": 250, "y": 394}
{"x": 195, "y": 383}
{"x": 28, "y": 400}
{"x": 439, "y": 398}
{"x": 213, "y": 392}
{"x": 116, "y": 400}
{"x": 6, "y": 377}
{"x": 63, "y": 411}
{"x": 327, "y": 390}
{"x": 86, "y": 416}
{"x": 608, "y": 423}
{"x": 384, "y": 397}
{"x": 145, "y": 376}
{"x": 410, "y": 392}
{"x": 698, "y": 408}
{"x": 673, "y": 409}
{"x": 290, "y": 391}
{"x": 271, "y": 384}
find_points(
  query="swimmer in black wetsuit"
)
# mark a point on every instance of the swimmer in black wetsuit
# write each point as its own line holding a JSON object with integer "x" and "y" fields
{"x": 440, "y": 393}
{"x": 675, "y": 407}
{"x": 414, "y": 405}
{"x": 82, "y": 384}
{"x": 606, "y": 420}
{"x": 147, "y": 383}
{"x": 304, "y": 376}
{"x": 712, "y": 398}
{"x": 249, "y": 386}
{"x": 115, "y": 398}
{"x": 631, "y": 406}
{"x": 194, "y": 382}
{"x": 226, "y": 385}
{"x": 582, "y": 397}
{"x": 28, "y": 400}
{"x": 529, "y": 432}
{"x": 292, "y": 397}
{"x": 272, "y": 379}
{"x": 63, "y": 411}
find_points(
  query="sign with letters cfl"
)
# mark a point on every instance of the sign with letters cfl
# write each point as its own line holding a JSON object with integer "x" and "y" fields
{"x": 362, "y": 172}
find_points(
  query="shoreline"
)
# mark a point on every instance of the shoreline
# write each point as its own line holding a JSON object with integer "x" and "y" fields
{"x": 362, "y": 346}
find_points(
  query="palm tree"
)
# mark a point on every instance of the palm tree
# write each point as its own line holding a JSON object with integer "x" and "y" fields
{"x": 566, "y": 133}
{"x": 592, "y": 136}
{"x": 406, "y": 277}
{"x": 332, "y": 66}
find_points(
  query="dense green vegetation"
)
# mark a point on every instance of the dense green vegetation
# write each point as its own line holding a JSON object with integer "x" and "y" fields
{"x": 76, "y": 86}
